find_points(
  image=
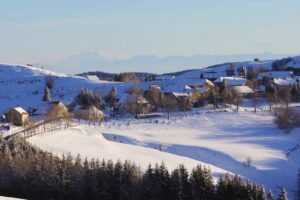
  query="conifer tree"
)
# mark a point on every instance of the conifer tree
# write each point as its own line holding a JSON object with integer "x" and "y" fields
{"x": 282, "y": 195}
{"x": 181, "y": 188}
{"x": 47, "y": 95}
{"x": 270, "y": 196}
{"x": 260, "y": 192}
{"x": 202, "y": 184}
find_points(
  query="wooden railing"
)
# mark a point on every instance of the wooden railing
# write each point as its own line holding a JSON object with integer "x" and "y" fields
{"x": 42, "y": 127}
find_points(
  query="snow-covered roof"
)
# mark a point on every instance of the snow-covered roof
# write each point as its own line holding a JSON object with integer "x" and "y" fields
{"x": 92, "y": 77}
{"x": 284, "y": 82}
{"x": 95, "y": 110}
{"x": 243, "y": 89}
{"x": 180, "y": 94}
{"x": 275, "y": 74}
{"x": 187, "y": 87}
{"x": 20, "y": 110}
{"x": 233, "y": 81}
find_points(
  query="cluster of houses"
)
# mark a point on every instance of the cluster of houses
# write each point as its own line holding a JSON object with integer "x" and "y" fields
{"x": 187, "y": 93}
{"x": 195, "y": 90}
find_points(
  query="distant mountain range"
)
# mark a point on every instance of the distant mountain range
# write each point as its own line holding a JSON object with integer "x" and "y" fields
{"x": 93, "y": 61}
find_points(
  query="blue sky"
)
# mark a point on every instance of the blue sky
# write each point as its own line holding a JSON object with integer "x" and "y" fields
{"x": 35, "y": 30}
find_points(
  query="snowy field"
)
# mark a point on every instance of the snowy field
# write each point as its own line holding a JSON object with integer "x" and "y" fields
{"x": 224, "y": 141}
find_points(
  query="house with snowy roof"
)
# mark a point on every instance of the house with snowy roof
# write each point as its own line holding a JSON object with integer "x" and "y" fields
{"x": 18, "y": 116}
{"x": 243, "y": 90}
{"x": 201, "y": 83}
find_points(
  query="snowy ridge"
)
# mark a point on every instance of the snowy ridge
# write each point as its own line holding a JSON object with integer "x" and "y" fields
{"x": 220, "y": 69}
{"x": 17, "y": 71}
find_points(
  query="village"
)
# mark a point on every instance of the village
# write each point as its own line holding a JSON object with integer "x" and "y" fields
{"x": 154, "y": 96}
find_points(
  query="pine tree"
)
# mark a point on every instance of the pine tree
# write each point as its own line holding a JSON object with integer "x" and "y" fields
{"x": 282, "y": 195}
{"x": 132, "y": 179}
{"x": 260, "y": 192}
{"x": 149, "y": 191}
{"x": 201, "y": 76}
{"x": 47, "y": 95}
{"x": 164, "y": 181}
{"x": 181, "y": 188}
{"x": 202, "y": 184}
{"x": 270, "y": 196}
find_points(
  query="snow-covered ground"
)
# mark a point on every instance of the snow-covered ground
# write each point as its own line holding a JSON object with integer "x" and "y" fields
{"x": 222, "y": 140}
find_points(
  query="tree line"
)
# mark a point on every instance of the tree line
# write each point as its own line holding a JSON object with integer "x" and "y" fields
{"x": 27, "y": 172}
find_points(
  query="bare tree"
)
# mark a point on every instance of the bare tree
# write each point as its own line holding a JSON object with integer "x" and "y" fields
{"x": 111, "y": 98}
{"x": 169, "y": 104}
{"x": 231, "y": 96}
{"x": 184, "y": 103}
{"x": 286, "y": 118}
{"x": 135, "y": 89}
{"x": 214, "y": 96}
{"x": 131, "y": 104}
{"x": 284, "y": 96}
{"x": 237, "y": 99}
{"x": 254, "y": 101}
{"x": 272, "y": 96}
{"x": 154, "y": 97}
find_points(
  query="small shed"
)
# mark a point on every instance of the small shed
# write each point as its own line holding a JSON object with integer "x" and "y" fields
{"x": 17, "y": 116}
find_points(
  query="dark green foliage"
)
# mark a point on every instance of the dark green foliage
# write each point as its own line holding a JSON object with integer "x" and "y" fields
{"x": 29, "y": 173}
{"x": 180, "y": 184}
{"x": 202, "y": 185}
